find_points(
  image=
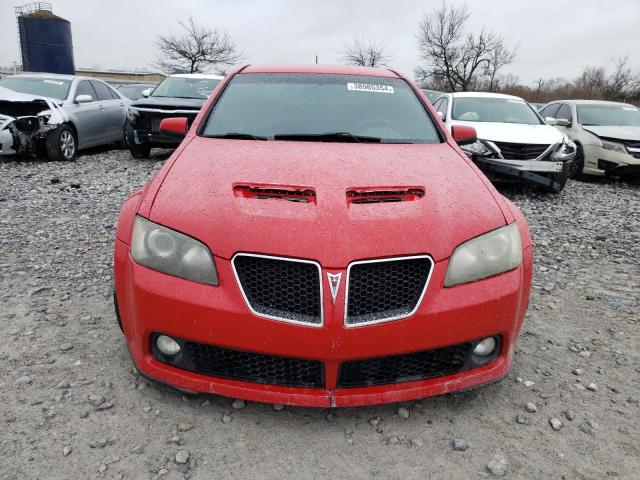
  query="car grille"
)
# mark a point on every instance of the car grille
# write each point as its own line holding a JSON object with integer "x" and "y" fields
{"x": 408, "y": 367}
{"x": 633, "y": 147}
{"x": 245, "y": 366}
{"x": 383, "y": 290}
{"x": 281, "y": 288}
{"x": 520, "y": 151}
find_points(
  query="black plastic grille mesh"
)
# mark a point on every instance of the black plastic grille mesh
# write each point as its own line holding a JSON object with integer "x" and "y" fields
{"x": 252, "y": 367}
{"x": 386, "y": 289}
{"x": 281, "y": 288}
{"x": 404, "y": 368}
{"x": 520, "y": 151}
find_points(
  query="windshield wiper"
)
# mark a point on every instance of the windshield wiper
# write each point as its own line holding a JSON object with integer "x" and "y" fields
{"x": 237, "y": 136}
{"x": 327, "y": 137}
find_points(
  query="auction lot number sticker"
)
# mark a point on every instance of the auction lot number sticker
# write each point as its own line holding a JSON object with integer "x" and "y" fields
{"x": 369, "y": 87}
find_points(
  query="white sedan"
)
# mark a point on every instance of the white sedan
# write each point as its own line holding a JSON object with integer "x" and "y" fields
{"x": 514, "y": 143}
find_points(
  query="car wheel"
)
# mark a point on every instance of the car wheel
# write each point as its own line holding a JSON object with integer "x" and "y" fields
{"x": 61, "y": 144}
{"x": 140, "y": 151}
{"x": 578, "y": 164}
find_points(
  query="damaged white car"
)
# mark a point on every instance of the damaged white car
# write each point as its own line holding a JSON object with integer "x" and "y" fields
{"x": 26, "y": 121}
{"x": 57, "y": 115}
{"x": 514, "y": 143}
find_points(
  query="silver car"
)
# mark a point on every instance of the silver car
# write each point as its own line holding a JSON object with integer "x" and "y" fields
{"x": 90, "y": 113}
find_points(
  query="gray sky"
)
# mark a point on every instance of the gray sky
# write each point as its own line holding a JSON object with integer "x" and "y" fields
{"x": 556, "y": 37}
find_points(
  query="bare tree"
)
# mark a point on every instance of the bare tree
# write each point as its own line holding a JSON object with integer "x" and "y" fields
{"x": 459, "y": 60}
{"x": 622, "y": 84}
{"x": 195, "y": 51}
{"x": 591, "y": 82}
{"x": 366, "y": 53}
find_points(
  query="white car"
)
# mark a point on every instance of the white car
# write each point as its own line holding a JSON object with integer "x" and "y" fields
{"x": 514, "y": 143}
{"x": 607, "y": 134}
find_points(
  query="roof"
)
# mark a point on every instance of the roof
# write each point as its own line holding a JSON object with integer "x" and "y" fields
{"x": 313, "y": 68}
{"x": 58, "y": 76}
{"x": 485, "y": 95}
{"x": 197, "y": 75}
{"x": 594, "y": 102}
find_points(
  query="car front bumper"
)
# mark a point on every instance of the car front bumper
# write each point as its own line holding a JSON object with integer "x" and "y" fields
{"x": 600, "y": 161}
{"x": 151, "y": 302}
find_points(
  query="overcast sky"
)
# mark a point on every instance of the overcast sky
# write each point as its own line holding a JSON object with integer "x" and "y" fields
{"x": 555, "y": 37}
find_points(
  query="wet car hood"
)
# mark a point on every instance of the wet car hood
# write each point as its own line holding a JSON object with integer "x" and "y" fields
{"x": 165, "y": 103}
{"x": 620, "y": 133}
{"x": 197, "y": 197}
{"x": 515, "y": 132}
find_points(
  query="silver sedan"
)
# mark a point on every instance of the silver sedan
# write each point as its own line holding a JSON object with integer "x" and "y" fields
{"x": 93, "y": 112}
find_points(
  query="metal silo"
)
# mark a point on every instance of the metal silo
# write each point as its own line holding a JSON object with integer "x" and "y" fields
{"x": 45, "y": 40}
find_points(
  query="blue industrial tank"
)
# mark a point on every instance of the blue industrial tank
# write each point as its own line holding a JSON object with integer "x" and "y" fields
{"x": 45, "y": 41}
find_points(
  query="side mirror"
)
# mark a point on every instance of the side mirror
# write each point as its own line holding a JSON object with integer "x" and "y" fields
{"x": 175, "y": 127}
{"x": 464, "y": 135}
{"x": 563, "y": 122}
{"x": 146, "y": 92}
{"x": 83, "y": 98}
{"x": 441, "y": 115}
{"x": 550, "y": 121}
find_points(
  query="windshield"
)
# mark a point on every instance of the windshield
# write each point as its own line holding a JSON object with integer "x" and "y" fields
{"x": 43, "y": 87}
{"x": 133, "y": 92}
{"x": 609, "y": 115}
{"x": 321, "y": 107}
{"x": 500, "y": 110}
{"x": 186, "y": 87}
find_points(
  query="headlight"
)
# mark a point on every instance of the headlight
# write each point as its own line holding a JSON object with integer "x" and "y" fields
{"x": 168, "y": 251}
{"x": 490, "y": 254}
{"x": 565, "y": 151}
{"x": 613, "y": 146}
{"x": 476, "y": 148}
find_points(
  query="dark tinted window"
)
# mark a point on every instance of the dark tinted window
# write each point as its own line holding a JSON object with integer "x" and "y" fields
{"x": 564, "y": 112}
{"x": 102, "y": 90}
{"x": 550, "y": 110}
{"x": 315, "y": 104}
{"x": 46, "y": 87}
{"x": 85, "y": 88}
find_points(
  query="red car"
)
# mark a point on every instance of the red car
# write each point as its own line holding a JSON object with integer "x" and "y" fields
{"x": 319, "y": 239}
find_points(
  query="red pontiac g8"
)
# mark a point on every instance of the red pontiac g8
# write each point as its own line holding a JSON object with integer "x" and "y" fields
{"x": 319, "y": 239}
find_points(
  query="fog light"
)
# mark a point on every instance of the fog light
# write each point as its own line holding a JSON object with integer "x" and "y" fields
{"x": 485, "y": 347}
{"x": 167, "y": 345}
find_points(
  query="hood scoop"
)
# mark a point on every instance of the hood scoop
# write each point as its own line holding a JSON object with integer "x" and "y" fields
{"x": 384, "y": 195}
{"x": 277, "y": 192}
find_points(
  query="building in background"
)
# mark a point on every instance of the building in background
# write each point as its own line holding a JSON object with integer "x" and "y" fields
{"x": 122, "y": 76}
{"x": 45, "y": 40}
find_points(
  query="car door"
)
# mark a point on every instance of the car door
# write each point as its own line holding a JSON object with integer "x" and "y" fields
{"x": 85, "y": 115}
{"x": 111, "y": 121}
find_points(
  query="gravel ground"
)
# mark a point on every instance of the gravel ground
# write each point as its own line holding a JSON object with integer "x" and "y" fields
{"x": 71, "y": 405}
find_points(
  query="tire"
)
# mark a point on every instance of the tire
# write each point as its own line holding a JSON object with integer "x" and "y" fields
{"x": 578, "y": 164}
{"x": 61, "y": 144}
{"x": 140, "y": 151}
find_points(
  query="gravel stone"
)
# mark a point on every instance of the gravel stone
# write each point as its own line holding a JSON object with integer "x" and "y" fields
{"x": 66, "y": 451}
{"x": 182, "y": 456}
{"x": 185, "y": 426}
{"x": 238, "y": 404}
{"x": 531, "y": 407}
{"x": 459, "y": 445}
{"x": 555, "y": 423}
{"x": 403, "y": 413}
{"x": 497, "y": 466}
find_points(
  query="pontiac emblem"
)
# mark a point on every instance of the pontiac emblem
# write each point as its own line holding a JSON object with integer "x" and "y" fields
{"x": 334, "y": 284}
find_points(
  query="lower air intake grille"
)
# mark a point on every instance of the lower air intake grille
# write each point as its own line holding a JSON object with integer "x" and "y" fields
{"x": 245, "y": 366}
{"x": 404, "y": 368}
{"x": 280, "y": 288}
{"x": 520, "y": 151}
{"x": 387, "y": 289}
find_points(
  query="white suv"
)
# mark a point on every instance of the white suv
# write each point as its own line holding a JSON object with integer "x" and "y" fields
{"x": 514, "y": 143}
{"x": 607, "y": 134}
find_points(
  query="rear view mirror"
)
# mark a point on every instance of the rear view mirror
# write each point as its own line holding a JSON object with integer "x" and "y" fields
{"x": 146, "y": 92}
{"x": 176, "y": 127}
{"x": 463, "y": 134}
{"x": 550, "y": 121}
{"x": 82, "y": 98}
{"x": 563, "y": 122}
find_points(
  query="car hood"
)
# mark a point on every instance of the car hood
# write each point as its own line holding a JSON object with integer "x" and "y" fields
{"x": 515, "y": 132}
{"x": 15, "y": 104}
{"x": 165, "y": 103}
{"x": 197, "y": 198}
{"x": 620, "y": 133}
